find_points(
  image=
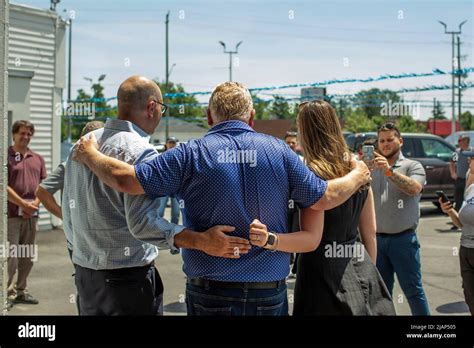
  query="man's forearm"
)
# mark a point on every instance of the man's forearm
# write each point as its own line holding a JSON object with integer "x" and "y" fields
{"x": 49, "y": 202}
{"x": 114, "y": 173}
{"x": 14, "y": 198}
{"x": 405, "y": 184}
{"x": 339, "y": 190}
{"x": 187, "y": 239}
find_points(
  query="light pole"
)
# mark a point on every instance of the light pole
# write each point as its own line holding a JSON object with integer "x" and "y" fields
{"x": 453, "y": 35}
{"x": 167, "y": 126}
{"x": 69, "y": 124}
{"x": 230, "y": 56}
{"x": 53, "y": 5}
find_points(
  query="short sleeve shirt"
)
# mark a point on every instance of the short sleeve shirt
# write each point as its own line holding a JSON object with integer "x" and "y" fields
{"x": 24, "y": 175}
{"x": 397, "y": 211}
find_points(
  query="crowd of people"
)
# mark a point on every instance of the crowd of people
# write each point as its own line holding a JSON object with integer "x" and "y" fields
{"x": 250, "y": 218}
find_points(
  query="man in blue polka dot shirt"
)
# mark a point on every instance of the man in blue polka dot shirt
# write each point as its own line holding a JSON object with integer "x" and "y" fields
{"x": 233, "y": 177}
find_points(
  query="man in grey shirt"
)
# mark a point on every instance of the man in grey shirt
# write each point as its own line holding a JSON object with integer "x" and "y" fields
{"x": 115, "y": 235}
{"x": 55, "y": 182}
{"x": 397, "y": 183}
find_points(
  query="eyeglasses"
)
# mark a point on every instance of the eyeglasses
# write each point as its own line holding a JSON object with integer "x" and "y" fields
{"x": 387, "y": 126}
{"x": 291, "y": 134}
{"x": 164, "y": 107}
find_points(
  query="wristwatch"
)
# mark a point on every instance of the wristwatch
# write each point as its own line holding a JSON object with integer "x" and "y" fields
{"x": 272, "y": 241}
{"x": 389, "y": 172}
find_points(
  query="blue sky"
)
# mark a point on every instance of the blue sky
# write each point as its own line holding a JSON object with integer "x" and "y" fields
{"x": 284, "y": 42}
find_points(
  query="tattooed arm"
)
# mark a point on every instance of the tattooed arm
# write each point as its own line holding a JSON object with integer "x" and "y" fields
{"x": 410, "y": 184}
{"x": 406, "y": 184}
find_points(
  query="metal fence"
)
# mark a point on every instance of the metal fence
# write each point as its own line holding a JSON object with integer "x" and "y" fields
{"x": 4, "y": 16}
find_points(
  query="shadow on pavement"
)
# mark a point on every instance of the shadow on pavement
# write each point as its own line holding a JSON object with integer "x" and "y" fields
{"x": 175, "y": 307}
{"x": 452, "y": 308}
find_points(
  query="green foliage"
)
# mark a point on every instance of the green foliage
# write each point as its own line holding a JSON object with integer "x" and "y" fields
{"x": 183, "y": 107}
{"x": 407, "y": 124}
{"x": 438, "y": 112}
{"x": 280, "y": 108}
{"x": 261, "y": 108}
{"x": 467, "y": 121}
{"x": 357, "y": 122}
{"x": 83, "y": 110}
{"x": 371, "y": 101}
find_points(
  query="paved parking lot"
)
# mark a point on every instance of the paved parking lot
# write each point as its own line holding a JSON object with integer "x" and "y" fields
{"x": 51, "y": 281}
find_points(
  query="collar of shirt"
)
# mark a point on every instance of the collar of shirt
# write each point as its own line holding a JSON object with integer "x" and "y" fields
{"x": 223, "y": 127}
{"x": 399, "y": 159}
{"x": 127, "y": 126}
{"x": 13, "y": 152}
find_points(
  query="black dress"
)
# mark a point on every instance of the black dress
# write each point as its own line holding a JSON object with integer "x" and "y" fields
{"x": 331, "y": 282}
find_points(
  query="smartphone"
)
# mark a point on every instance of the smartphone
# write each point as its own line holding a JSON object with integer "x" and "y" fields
{"x": 368, "y": 155}
{"x": 443, "y": 196}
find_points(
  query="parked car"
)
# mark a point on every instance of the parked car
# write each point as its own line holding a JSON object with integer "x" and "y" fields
{"x": 453, "y": 138}
{"x": 432, "y": 151}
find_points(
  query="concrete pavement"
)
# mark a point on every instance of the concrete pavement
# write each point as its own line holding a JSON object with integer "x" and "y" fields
{"x": 51, "y": 281}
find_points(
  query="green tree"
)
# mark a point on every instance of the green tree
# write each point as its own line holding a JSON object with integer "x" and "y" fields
{"x": 342, "y": 106}
{"x": 438, "y": 112}
{"x": 185, "y": 107}
{"x": 357, "y": 122}
{"x": 85, "y": 108}
{"x": 407, "y": 124}
{"x": 373, "y": 100}
{"x": 467, "y": 121}
{"x": 280, "y": 109}
{"x": 261, "y": 108}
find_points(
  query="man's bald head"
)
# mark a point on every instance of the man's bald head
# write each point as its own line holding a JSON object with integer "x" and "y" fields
{"x": 134, "y": 94}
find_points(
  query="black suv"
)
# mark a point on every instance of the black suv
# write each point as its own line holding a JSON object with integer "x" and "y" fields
{"x": 432, "y": 151}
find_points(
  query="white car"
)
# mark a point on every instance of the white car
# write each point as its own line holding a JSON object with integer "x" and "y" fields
{"x": 453, "y": 138}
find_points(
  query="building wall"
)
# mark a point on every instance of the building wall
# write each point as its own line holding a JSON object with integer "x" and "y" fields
{"x": 37, "y": 44}
{"x": 4, "y": 6}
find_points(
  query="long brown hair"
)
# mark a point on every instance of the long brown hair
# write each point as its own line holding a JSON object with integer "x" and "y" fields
{"x": 325, "y": 149}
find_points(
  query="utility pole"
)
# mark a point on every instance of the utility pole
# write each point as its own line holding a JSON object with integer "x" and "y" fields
{"x": 459, "y": 79}
{"x": 69, "y": 123}
{"x": 453, "y": 60}
{"x": 230, "y": 56}
{"x": 167, "y": 126}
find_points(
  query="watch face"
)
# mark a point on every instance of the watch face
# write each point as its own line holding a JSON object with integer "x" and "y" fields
{"x": 271, "y": 239}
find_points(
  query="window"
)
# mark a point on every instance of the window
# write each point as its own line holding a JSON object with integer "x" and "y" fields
{"x": 434, "y": 148}
{"x": 408, "y": 148}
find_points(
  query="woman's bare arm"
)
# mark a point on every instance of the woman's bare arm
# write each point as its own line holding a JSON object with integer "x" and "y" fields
{"x": 368, "y": 226}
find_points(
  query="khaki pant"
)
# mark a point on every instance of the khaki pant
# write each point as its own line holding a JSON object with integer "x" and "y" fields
{"x": 20, "y": 232}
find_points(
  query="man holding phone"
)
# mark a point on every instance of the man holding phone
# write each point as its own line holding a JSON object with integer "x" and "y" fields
{"x": 397, "y": 183}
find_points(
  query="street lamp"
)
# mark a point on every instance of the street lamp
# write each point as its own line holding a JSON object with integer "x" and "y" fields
{"x": 230, "y": 56}
{"x": 453, "y": 34}
{"x": 54, "y": 3}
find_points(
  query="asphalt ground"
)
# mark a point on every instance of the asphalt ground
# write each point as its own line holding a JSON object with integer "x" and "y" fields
{"x": 52, "y": 284}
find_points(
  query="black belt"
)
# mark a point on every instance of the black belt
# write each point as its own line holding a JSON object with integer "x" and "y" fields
{"x": 204, "y": 283}
{"x": 395, "y": 234}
